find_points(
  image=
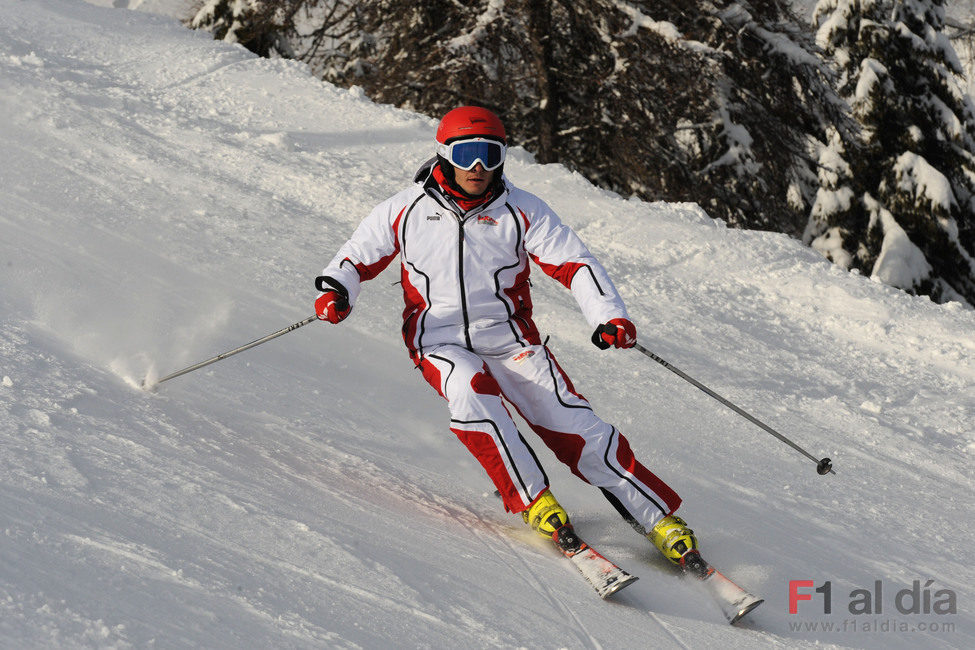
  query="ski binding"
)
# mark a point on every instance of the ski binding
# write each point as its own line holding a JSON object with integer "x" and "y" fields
{"x": 604, "y": 576}
{"x": 734, "y": 601}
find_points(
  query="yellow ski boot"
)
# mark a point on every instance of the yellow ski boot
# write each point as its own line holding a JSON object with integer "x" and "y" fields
{"x": 545, "y": 515}
{"x": 673, "y": 538}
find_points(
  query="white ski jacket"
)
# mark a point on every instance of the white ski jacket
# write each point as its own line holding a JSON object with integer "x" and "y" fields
{"x": 465, "y": 274}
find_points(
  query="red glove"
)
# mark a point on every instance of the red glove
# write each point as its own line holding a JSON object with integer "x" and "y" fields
{"x": 619, "y": 333}
{"x": 332, "y": 306}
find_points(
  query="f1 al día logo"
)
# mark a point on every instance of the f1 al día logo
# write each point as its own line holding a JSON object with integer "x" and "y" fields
{"x": 880, "y": 608}
{"x": 909, "y": 600}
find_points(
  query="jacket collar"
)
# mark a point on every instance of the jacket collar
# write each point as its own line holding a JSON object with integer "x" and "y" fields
{"x": 424, "y": 176}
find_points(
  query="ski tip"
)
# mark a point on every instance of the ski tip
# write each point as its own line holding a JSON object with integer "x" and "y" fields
{"x": 617, "y": 586}
{"x": 745, "y": 610}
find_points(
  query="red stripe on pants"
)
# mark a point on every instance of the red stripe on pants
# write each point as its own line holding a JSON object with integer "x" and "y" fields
{"x": 485, "y": 450}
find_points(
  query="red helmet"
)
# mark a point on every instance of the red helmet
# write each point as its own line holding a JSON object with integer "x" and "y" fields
{"x": 470, "y": 121}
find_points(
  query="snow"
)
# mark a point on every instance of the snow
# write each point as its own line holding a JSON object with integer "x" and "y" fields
{"x": 900, "y": 263}
{"x": 175, "y": 8}
{"x": 167, "y": 198}
{"x": 930, "y": 188}
{"x": 872, "y": 81}
{"x": 491, "y": 13}
{"x": 739, "y": 152}
{"x": 666, "y": 30}
{"x": 830, "y": 244}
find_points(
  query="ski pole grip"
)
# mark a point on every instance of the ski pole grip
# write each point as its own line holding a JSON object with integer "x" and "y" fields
{"x": 598, "y": 340}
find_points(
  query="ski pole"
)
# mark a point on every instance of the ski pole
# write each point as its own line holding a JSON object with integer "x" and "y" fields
{"x": 823, "y": 466}
{"x": 265, "y": 339}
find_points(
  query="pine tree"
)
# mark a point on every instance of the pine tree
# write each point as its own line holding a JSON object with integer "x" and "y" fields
{"x": 838, "y": 223}
{"x": 773, "y": 100}
{"x": 911, "y": 218}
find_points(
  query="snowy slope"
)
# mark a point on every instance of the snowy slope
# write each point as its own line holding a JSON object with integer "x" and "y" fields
{"x": 166, "y": 197}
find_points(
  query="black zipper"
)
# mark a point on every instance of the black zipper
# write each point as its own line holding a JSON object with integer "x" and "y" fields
{"x": 460, "y": 261}
{"x": 463, "y": 288}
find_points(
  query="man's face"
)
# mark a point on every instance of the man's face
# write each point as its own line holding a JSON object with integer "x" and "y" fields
{"x": 475, "y": 180}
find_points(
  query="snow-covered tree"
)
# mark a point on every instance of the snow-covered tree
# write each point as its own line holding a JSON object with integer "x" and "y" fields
{"x": 899, "y": 204}
{"x": 306, "y": 29}
{"x": 252, "y": 23}
{"x": 960, "y": 26}
{"x": 714, "y": 102}
{"x": 717, "y": 102}
{"x": 772, "y": 99}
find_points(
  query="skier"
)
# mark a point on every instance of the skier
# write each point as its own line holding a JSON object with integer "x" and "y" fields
{"x": 464, "y": 235}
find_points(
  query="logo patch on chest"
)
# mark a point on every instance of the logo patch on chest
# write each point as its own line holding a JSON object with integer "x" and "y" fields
{"x": 485, "y": 220}
{"x": 518, "y": 358}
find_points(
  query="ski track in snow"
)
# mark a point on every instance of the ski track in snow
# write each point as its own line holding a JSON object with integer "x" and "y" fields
{"x": 167, "y": 197}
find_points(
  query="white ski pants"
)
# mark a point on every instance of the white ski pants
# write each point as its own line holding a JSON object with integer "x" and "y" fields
{"x": 532, "y": 381}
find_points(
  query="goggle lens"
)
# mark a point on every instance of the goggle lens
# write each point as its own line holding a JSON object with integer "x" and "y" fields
{"x": 464, "y": 154}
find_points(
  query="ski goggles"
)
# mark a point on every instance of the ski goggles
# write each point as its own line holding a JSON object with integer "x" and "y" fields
{"x": 464, "y": 154}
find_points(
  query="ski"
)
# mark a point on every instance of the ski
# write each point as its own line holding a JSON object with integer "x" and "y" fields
{"x": 604, "y": 576}
{"x": 734, "y": 601}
